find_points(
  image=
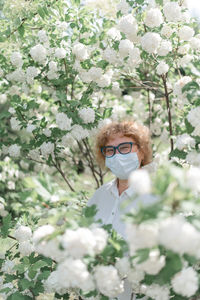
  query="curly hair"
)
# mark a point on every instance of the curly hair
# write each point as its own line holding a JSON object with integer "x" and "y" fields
{"x": 138, "y": 132}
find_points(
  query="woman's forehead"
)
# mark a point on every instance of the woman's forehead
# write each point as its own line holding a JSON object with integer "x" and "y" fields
{"x": 118, "y": 138}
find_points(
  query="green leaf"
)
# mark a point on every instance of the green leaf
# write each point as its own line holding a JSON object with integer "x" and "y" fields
{"x": 41, "y": 12}
{"x": 7, "y": 224}
{"x": 39, "y": 264}
{"x": 189, "y": 127}
{"x": 190, "y": 86}
{"x": 142, "y": 255}
{"x": 90, "y": 211}
{"x": 25, "y": 284}
{"x": 21, "y": 30}
{"x": 18, "y": 296}
{"x": 178, "y": 153}
{"x": 102, "y": 64}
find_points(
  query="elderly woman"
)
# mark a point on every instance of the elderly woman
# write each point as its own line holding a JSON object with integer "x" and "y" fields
{"x": 122, "y": 147}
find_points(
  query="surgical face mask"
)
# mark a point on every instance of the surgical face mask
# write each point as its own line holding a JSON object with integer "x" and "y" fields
{"x": 122, "y": 165}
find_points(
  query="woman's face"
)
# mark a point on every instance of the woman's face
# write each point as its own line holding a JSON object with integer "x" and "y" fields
{"x": 119, "y": 138}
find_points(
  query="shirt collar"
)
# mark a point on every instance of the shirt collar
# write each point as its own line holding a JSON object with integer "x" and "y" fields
{"x": 114, "y": 190}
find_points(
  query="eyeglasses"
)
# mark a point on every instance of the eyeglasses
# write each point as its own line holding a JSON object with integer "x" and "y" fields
{"x": 123, "y": 148}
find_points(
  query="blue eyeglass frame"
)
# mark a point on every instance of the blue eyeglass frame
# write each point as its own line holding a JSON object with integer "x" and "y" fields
{"x": 117, "y": 148}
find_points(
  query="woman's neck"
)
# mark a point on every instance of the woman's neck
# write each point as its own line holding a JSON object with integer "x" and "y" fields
{"x": 122, "y": 185}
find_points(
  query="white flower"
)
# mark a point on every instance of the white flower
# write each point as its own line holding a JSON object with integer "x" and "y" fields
{"x": 1, "y": 72}
{"x": 34, "y": 154}
{"x": 60, "y": 53}
{"x": 104, "y": 81}
{"x": 53, "y": 66}
{"x": 18, "y": 76}
{"x": 165, "y": 48}
{"x": 26, "y": 248}
{"x": 184, "y": 141}
{"x": 183, "y": 49}
{"x": 47, "y": 148}
{"x": 80, "y": 51}
{"x": 32, "y": 72}
{"x": 153, "y": 18}
{"x": 108, "y": 281}
{"x": 8, "y": 266}
{"x": 23, "y": 233}
{"x": 125, "y": 46}
{"x": 162, "y": 68}
{"x": 186, "y": 236}
{"x": 87, "y": 115}
{"x": 42, "y": 36}
{"x": 157, "y": 292}
{"x": 114, "y": 33}
{"x": 16, "y": 59}
{"x": 14, "y": 150}
{"x": 153, "y": 264}
{"x": 140, "y": 181}
{"x": 193, "y": 178}
{"x": 52, "y": 75}
{"x": 185, "y": 60}
{"x": 101, "y": 237}
{"x": 73, "y": 273}
{"x": 47, "y": 132}
{"x": 123, "y": 266}
{"x": 180, "y": 84}
{"x": 128, "y": 25}
{"x": 63, "y": 122}
{"x": 42, "y": 232}
{"x": 123, "y": 6}
{"x": 38, "y": 53}
{"x": 141, "y": 236}
{"x": 51, "y": 285}
{"x": 166, "y": 30}
{"x": 195, "y": 43}
{"x": 193, "y": 158}
{"x": 85, "y": 76}
{"x": 78, "y": 132}
{"x": 186, "y": 33}
{"x": 15, "y": 124}
{"x": 95, "y": 73}
{"x": 172, "y": 12}
{"x": 150, "y": 42}
{"x": 185, "y": 282}
{"x": 110, "y": 55}
{"x": 193, "y": 116}
{"x": 30, "y": 128}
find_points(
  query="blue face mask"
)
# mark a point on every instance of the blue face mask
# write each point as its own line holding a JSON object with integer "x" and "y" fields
{"x": 122, "y": 165}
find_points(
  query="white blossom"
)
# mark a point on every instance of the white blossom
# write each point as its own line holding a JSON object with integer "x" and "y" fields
{"x": 38, "y": 53}
{"x": 165, "y": 48}
{"x": 15, "y": 124}
{"x": 87, "y": 115}
{"x": 128, "y": 25}
{"x": 63, "y": 122}
{"x": 47, "y": 148}
{"x": 17, "y": 75}
{"x": 30, "y": 128}
{"x": 95, "y": 73}
{"x": 110, "y": 55}
{"x": 26, "y": 248}
{"x": 166, "y": 30}
{"x": 184, "y": 141}
{"x": 42, "y": 232}
{"x": 42, "y": 36}
{"x": 23, "y": 233}
{"x": 183, "y": 49}
{"x": 153, "y": 264}
{"x": 1, "y": 72}
{"x": 14, "y": 150}
{"x": 108, "y": 281}
{"x": 60, "y": 53}
{"x": 104, "y": 81}
{"x": 125, "y": 46}
{"x": 34, "y": 154}
{"x": 8, "y": 266}
{"x": 114, "y": 33}
{"x": 140, "y": 181}
{"x": 80, "y": 51}
{"x": 193, "y": 178}
{"x": 32, "y": 72}
{"x": 53, "y": 66}
{"x": 193, "y": 158}
{"x": 150, "y": 42}
{"x": 186, "y": 33}
{"x": 153, "y": 18}
{"x": 16, "y": 59}
{"x": 134, "y": 57}
{"x": 157, "y": 292}
{"x": 123, "y": 6}
{"x": 185, "y": 282}
{"x": 172, "y": 11}
{"x": 78, "y": 132}
{"x": 193, "y": 116}
{"x": 180, "y": 84}
{"x": 195, "y": 43}
{"x": 162, "y": 68}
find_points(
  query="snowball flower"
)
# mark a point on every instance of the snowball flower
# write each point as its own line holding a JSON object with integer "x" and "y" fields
{"x": 166, "y": 30}
{"x": 47, "y": 148}
{"x": 63, "y": 122}
{"x": 162, "y": 68}
{"x": 157, "y": 292}
{"x": 114, "y": 33}
{"x": 108, "y": 281}
{"x": 134, "y": 57}
{"x": 165, "y": 48}
{"x": 141, "y": 236}
{"x": 104, "y": 81}
{"x": 23, "y": 233}
{"x": 180, "y": 84}
{"x": 110, "y": 55}
{"x": 153, "y": 18}
{"x": 78, "y": 132}
{"x": 95, "y": 73}
{"x": 150, "y": 42}
{"x": 195, "y": 43}
{"x": 14, "y": 150}
{"x": 193, "y": 178}
{"x": 80, "y": 51}
{"x": 140, "y": 181}
{"x": 184, "y": 141}
{"x": 186, "y": 33}
{"x": 125, "y": 46}
{"x": 172, "y": 12}
{"x": 60, "y": 53}
{"x": 42, "y": 36}
{"x": 15, "y": 124}
{"x": 8, "y": 267}
{"x": 87, "y": 115}
{"x": 16, "y": 59}
{"x": 153, "y": 264}
{"x": 30, "y": 128}
{"x": 123, "y": 6}
{"x": 128, "y": 25}
{"x": 26, "y": 248}
{"x": 41, "y": 232}
{"x": 32, "y": 72}
{"x": 193, "y": 116}
{"x": 185, "y": 282}
{"x": 38, "y": 53}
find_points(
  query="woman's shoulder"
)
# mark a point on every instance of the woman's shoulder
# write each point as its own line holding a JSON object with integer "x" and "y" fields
{"x": 101, "y": 192}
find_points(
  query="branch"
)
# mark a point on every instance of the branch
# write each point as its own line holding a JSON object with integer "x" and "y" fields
{"x": 58, "y": 168}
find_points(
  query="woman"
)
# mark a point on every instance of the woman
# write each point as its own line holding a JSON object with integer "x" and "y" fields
{"x": 122, "y": 147}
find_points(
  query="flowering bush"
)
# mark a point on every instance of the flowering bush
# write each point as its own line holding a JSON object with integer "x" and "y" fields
{"x": 64, "y": 72}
